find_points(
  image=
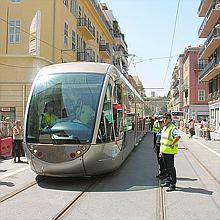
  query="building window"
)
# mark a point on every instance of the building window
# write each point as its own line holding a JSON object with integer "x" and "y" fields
{"x": 73, "y": 40}
{"x": 74, "y": 7}
{"x": 66, "y": 34}
{"x": 201, "y": 96}
{"x": 15, "y": 1}
{"x": 65, "y": 2}
{"x": 14, "y": 31}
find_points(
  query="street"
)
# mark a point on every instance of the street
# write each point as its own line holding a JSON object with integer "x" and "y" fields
{"x": 131, "y": 192}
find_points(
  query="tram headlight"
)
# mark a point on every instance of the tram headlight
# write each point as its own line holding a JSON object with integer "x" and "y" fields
{"x": 78, "y": 152}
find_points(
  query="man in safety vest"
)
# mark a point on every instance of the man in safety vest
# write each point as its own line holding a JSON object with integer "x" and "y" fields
{"x": 48, "y": 117}
{"x": 168, "y": 148}
{"x": 155, "y": 129}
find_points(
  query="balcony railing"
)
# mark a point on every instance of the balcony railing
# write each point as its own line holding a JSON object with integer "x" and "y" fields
{"x": 214, "y": 5}
{"x": 85, "y": 56}
{"x": 207, "y": 68}
{"x": 104, "y": 47}
{"x": 104, "y": 20}
{"x": 83, "y": 22}
{"x": 203, "y": 7}
{"x": 214, "y": 34}
{"x": 200, "y": 6}
{"x": 214, "y": 96}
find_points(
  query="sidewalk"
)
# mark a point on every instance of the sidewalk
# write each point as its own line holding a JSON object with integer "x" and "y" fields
{"x": 215, "y": 136}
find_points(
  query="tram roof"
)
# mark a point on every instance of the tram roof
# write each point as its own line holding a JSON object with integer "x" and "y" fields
{"x": 88, "y": 67}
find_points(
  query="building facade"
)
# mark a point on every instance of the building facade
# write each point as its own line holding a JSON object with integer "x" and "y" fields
{"x": 39, "y": 33}
{"x": 186, "y": 93}
{"x": 195, "y": 93}
{"x": 176, "y": 94}
{"x": 209, "y": 55}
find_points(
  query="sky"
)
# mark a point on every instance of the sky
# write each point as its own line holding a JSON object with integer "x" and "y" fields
{"x": 148, "y": 26}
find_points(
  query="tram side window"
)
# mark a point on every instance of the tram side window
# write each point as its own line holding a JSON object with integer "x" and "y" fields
{"x": 118, "y": 110}
{"x": 106, "y": 128}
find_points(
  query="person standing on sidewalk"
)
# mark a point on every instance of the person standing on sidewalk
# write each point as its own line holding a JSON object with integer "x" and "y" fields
{"x": 162, "y": 170}
{"x": 17, "y": 138}
{"x": 155, "y": 129}
{"x": 169, "y": 147}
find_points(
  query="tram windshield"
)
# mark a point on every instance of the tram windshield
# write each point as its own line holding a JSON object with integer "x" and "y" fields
{"x": 63, "y": 108}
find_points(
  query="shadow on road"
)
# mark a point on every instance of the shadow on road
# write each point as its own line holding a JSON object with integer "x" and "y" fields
{"x": 194, "y": 190}
{"x": 137, "y": 173}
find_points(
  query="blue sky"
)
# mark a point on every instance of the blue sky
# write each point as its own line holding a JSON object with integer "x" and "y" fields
{"x": 148, "y": 27}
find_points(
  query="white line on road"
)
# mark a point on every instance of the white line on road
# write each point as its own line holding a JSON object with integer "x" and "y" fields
{"x": 13, "y": 173}
{"x": 214, "y": 152}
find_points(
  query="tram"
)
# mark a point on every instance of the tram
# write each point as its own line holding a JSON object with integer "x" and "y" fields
{"x": 82, "y": 119}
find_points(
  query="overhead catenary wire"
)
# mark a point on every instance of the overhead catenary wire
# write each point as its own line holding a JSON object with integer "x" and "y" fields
{"x": 153, "y": 58}
{"x": 172, "y": 41}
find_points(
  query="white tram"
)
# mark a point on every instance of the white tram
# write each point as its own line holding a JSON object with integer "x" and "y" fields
{"x": 82, "y": 119}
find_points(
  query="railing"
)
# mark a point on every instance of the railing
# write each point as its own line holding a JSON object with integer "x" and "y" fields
{"x": 212, "y": 6}
{"x": 100, "y": 13}
{"x": 104, "y": 47}
{"x": 200, "y": 66}
{"x": 200, "y": 6}
{"x": 215, "y": 33}
{"x": 84, "y": 56}
{"x": 207, "y": 68}
{"x": 83, "y": 22}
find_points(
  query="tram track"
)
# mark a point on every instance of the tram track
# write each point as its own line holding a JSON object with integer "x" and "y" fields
{"x": 200, "y": 163}
{"x": 64, "y": 211}
{"x": 18, "y": 191}
{"x": 162, "y": 203}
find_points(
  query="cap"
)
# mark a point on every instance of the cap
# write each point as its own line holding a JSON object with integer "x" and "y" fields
{"x": 167, "y": 115}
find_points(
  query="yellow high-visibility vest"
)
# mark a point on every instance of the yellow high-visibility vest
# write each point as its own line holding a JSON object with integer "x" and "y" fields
{"x": 167, "y": 140}
{"x": 156, "y": 127}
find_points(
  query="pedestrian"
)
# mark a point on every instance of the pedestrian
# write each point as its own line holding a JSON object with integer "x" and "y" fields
{"x": 203, "y": 127}
{"x": 155, "y": 129}
{"x": 169, "y": 147}
{"x": 191, "y": 128}
{"x": 162, "y": 170}
{"x": 17, "y": 151}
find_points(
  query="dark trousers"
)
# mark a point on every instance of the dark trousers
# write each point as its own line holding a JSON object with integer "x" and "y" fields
{"x": 170, "y": 168}
{"x": 155, "y": 138}
{"x": 160, "y": 161}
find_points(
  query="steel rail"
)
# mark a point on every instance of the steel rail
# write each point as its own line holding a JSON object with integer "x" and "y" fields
{"x": 16, "y": 192}
{"x": 68, "y": 206}
{"x": 201, "y": 164}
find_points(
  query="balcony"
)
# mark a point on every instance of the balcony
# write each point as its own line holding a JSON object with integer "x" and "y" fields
{"x": 203, "y": 7}
{"x": 210, "y": 20}
{"x": 175, "y": 92}
{"x": 85, "y": 56}
{"x": 101, "y": 15}
{"x": 104, "y": 50}
{"x": 87, "y": 30}
{"x": 211, "y": 44}
{"x": 210, "y": 71}
{"x": 214, "y": 96}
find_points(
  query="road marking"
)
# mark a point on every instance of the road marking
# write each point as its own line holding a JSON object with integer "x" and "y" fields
{"x": 214, "y": 152}
{"x": 13, "y": 173}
